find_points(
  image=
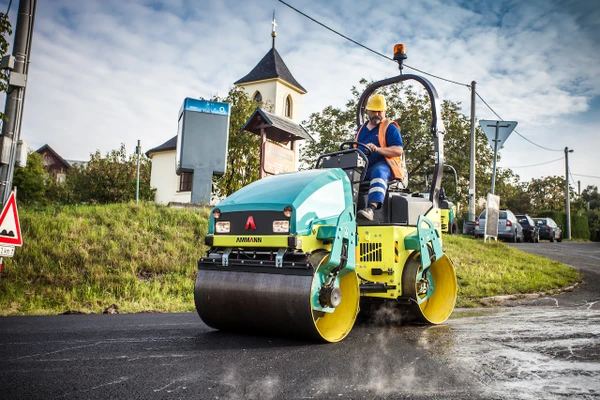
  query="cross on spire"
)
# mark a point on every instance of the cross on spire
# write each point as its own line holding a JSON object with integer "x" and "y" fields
{"x": 273, "y": 33}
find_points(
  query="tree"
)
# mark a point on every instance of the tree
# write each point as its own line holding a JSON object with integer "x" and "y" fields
{"x": 513, "y": 193}
{"x": 111, "y": 179}
{"x": 330, "y": 127}
{"x": 243, "y": 157}
{"x": 457, "y": 150}
{"x": 5, "y": 30}
{"x": 32, "y": 181}
{"x": 548, "y": 193}
{"x": 591, "y": 196}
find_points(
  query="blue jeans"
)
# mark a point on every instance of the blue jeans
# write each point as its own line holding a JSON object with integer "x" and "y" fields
{"x": 379, "y": 175}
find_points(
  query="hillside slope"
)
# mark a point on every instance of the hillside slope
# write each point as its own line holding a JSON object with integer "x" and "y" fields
{"x": 143, "y": 258}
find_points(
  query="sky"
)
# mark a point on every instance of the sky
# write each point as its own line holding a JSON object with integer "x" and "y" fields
{"x": 106, "y": 72}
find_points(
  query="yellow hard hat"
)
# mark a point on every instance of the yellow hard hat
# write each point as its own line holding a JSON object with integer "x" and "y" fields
{"x": 376, "y": 103}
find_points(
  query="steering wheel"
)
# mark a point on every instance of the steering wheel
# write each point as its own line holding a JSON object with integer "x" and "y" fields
{"x": 348, "y": 146}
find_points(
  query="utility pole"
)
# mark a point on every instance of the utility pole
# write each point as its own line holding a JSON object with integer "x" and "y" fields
{"x": 473, "y": 157}
{"x": 18, "y": 64}
{"x": 568, "y": 202}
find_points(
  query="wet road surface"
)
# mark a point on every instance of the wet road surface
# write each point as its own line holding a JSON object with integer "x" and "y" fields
{"x": 530, "y": 353}
{"x": 532, "y": 349}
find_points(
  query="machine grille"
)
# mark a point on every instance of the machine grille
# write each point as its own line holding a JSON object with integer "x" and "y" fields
{"x": 370, "y": 252}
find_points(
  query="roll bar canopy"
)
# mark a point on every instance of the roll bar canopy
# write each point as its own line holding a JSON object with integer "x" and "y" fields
{"x": 436, "y": 128}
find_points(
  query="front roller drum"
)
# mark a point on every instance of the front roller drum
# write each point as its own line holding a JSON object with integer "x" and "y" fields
{"x": 432, "y": 290}
{"x": 276, "y": 304}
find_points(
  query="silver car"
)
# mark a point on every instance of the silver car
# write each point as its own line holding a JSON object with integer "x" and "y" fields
{"x": 508, "y": 226}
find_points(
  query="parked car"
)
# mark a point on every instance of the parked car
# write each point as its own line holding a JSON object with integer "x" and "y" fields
{"x": 508, "y": 226}
{"x": 531, "y": 231}
{"x": 468, "y": 227}
{"x": 549, "y": 230}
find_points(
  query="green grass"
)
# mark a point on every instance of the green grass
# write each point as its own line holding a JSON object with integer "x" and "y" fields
{"x": 85, "y": 258}
{"x": 494, "y": 269}
{"x": 144, "y": 258}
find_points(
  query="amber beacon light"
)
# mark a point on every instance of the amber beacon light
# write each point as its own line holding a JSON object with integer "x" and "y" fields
{"x": 399, "y": 54}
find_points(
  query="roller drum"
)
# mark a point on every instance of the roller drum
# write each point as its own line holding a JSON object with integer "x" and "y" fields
{"x": 255, "y": 302}
{"x": 273, "y": 304}
{"x": 437, "y": 307}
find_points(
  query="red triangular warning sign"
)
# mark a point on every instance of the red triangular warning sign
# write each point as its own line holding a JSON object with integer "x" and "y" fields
{"x": 10, "y": 230}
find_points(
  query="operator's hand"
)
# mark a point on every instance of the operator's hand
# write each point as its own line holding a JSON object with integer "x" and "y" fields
{"x": 372, "y": 147}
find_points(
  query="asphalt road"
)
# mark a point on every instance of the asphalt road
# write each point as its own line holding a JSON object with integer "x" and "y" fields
{"x": 583, "y": 256}
{"x": 176, "y": 356}
{"x": 539, "y": 350}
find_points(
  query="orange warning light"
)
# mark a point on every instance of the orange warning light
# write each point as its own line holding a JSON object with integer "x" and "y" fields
{"x": 399, "y": 48}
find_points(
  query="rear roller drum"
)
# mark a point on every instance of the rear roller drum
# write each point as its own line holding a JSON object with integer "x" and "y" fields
{"x": 432, "y": 290}
{"x": 278, "y": 303}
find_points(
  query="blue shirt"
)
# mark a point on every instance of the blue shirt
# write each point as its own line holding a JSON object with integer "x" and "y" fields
{"x": 393, "y": 137}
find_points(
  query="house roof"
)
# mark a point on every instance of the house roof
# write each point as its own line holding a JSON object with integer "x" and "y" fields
{"x": 170, "y": 144}
{"x": 271, "y": 66}
{"x": 277, "y": 128}
{"x": 77, "y": 163}
{"x": 47, "y": 149}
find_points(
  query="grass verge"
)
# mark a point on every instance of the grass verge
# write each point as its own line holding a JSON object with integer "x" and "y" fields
{"x": 143, "y": 258}
{"x": 495, "y": 269}
{"x": 86, "y": 258}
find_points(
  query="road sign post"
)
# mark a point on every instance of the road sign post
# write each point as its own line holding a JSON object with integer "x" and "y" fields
{"x": 497, "y": 132}
{"x": 10, "y": 229}
{"x": 492, "y": 211}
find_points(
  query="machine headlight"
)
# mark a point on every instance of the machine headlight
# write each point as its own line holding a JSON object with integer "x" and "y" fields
{"x": 222, "y": 227}
{"x": 216, "y": 213}
{"x": 287, "y": 211}
{"x": 281, "y": 226}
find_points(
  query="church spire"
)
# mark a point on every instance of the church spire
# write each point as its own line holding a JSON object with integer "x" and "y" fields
{"x": 273, "y": 33}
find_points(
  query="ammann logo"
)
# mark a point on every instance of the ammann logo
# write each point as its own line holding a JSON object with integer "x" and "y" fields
{"x": 248, "y": 240}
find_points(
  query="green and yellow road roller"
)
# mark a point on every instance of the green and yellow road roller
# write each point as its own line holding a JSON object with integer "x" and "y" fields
{"x": 287, "y": 256}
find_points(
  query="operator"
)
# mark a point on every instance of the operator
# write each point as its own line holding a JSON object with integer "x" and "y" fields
{"x": 383, "y": 138}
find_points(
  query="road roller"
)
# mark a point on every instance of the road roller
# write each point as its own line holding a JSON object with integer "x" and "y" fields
{"x": 287, "y": 255}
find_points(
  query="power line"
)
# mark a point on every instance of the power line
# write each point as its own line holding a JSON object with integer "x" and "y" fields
{"x": 517, "y": 132}
{"x": 408, "y": 66}
{"x": 535, "y": 144}
{"x": 535, "y": 165}
{"x": 572, "y": 179}
{"x": 8, "y": 9}
{"x": 488, "y": 106}
{"x": 336, "y": 32}
{"x": 371, "y": 50}
{"x": 588, "y": 176}
{"x": 438, "y": 77}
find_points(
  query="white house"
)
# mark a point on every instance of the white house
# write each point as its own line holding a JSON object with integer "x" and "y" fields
{"x": 271, "y": 83}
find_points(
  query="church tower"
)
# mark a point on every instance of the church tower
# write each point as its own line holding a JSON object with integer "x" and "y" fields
{"x": 272, "y": 83}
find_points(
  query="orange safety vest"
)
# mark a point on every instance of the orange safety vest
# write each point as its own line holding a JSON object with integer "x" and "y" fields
{"x": 395, "y": 163}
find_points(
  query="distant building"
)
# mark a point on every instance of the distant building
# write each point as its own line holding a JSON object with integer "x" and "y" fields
{"x": 55, "y": 164}
{"x": 271, "y": 83}
{"x": 170, "y": 187}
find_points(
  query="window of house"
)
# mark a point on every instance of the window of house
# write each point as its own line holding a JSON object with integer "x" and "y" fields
{"x": 288, "y": 106}
{"x": 185, "y": 181}
{"x": 258, "y": 97}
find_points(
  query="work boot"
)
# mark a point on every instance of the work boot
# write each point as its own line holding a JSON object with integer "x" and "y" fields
{"x": 366, "y": 213}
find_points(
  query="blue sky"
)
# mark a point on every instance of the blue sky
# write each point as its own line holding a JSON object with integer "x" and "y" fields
{"x": 108, "y": 72}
